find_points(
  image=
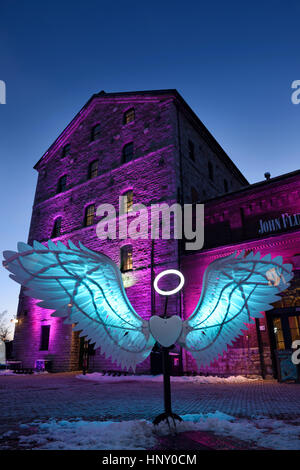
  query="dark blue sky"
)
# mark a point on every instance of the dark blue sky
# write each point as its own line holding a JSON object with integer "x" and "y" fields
{"x": 233, "y": 63}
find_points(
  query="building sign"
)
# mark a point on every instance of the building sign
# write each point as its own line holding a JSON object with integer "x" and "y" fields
{"x": 284, "y": 222}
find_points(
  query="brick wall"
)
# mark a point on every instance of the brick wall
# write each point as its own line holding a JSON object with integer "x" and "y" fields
{"x": 154, "y": 175}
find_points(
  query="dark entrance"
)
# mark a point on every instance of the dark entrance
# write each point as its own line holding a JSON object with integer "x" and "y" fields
{"x": 284, "y": 328}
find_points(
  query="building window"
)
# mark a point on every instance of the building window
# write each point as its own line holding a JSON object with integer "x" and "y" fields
{"x": 194, "y": 195}
{"x": 128, "y": 202}
{"x": 225, "y": 186}
{"x": 45, "y": 334}
{"x": 56, "y": 228}
{"x": 126, "y": 258}
{"x": 129, "y": 116}
{"x": 210, "y": 171}
{"x": 127, "y": 154}
{"x": 89, "y": 215}
{"x": 62, "y": 184}
{"x": 191, "y": 150}
{"x": 93, "y": 169}
{"x": 96, "y": 131}
{"x": 66, "y": 151}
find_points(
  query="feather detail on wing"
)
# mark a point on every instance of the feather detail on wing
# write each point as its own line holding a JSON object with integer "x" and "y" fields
{"x": 85, "y": 287}
{"x": 235, "y": 290}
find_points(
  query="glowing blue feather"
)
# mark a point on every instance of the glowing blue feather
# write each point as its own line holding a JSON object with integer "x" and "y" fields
{"x": 235, "y": 290}
{"x": 86, "y": 288}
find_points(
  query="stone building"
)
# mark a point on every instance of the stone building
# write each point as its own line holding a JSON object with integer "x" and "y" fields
{"x": 263, "y": 217}
{"x": 151, "y": 147}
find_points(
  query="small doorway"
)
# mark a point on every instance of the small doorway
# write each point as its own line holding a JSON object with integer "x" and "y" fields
{"x": 284, "y": 328}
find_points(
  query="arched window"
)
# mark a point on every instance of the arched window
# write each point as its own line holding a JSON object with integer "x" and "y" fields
{"x": 210, "y": 171}
{"x": 126, "y": 258}
{"x": 89, "y": 215}
{"x": 127, "y": 153}
{"x": 96, "y": 131}
{"x": 66, "y": 150}
{"x": 62, "y": 184}
{"x": 128, "y": 202}
{"x": 128, "y": 116}
{"x": 93, "y": 169}
{"x": 56, "y": 231}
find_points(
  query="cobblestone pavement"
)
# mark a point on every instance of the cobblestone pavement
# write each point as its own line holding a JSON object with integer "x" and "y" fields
{"x": 26, "y": 398}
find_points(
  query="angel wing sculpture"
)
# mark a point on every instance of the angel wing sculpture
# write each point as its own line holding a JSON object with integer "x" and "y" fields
{"x": 85, "y": 287}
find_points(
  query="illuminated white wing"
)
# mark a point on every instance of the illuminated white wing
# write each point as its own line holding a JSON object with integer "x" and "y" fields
{"x": 85, "y": 287}
{"x": 235, "y": 290}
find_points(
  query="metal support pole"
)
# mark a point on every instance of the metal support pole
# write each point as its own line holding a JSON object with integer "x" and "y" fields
{"x": 167, "y": 385}
{"x": 167, "y": 381}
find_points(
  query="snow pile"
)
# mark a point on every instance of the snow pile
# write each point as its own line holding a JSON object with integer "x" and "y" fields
{"x": 141, "y": 434}
{"x": 90, "y": 435}
{"x": 11, "y": 372}
{"x": 198, "y": 379}
{"x": 6, "y": 372}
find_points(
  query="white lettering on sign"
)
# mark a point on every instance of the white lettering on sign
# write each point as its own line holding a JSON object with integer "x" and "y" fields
{"x": 285, "y": 221}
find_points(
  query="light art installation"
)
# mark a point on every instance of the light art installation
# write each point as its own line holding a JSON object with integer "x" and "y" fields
{"x": 85, "y": 287}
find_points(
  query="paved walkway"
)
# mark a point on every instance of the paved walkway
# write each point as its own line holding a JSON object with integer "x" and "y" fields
{"x": 26, "y": 398}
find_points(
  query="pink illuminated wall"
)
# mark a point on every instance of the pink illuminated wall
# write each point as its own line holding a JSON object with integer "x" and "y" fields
{"x": 261, "y": 202}
{"x": 161, "y": 171}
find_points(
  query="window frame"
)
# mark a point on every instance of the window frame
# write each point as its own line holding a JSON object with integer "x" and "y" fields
{"x": 87, "y": 215}
{"x": 126, "y": 114}
{"x": 66, "y": 150}
{"x": 90, "y": 170}
{"x": 126, "y": 265}
{"x": 124, "y": 157}
{"x": 96, "y": 135}
{"x": 129, "y": 201}
{"x": 60, "y": 188}
{"x": 55, "y": 233}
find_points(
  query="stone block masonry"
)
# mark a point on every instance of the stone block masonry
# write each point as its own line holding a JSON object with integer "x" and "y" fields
{"x": 161, "y": 169}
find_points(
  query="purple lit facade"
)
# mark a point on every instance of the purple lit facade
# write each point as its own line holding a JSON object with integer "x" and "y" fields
{"x": 234, "y": 222}
{"x": 151, "y": 143}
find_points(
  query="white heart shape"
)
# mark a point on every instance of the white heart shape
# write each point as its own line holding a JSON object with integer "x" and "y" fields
{"x": 166, "y": 331}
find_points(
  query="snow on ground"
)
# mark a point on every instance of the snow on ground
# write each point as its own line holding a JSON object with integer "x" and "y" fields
{"x": 141, "y": 434}
{"x": 11, "y": 372}
{"x": 199, "y": 379}
{"x": 6, "y": 372}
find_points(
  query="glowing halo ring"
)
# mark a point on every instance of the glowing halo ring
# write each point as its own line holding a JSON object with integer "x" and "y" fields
{"x": 165, "y": 273}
